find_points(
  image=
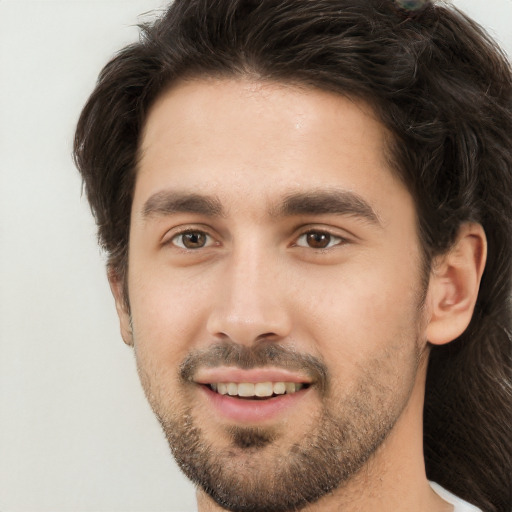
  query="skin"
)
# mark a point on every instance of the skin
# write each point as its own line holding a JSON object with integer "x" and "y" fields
{"x": 358, "y": 305}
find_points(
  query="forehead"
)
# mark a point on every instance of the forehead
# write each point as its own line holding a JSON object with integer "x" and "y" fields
{"x": 241, "y": 140}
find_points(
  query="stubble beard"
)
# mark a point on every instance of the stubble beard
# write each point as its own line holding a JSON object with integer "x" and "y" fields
{"x": 254, "y": 475}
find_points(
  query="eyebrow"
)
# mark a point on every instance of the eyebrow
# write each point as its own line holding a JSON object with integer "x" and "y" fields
{"x": 327, "y": 202}
{"x": 315, "y": 202}
{"x": 169, "y": 202}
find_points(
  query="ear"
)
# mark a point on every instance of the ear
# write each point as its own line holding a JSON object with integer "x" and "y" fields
{"x": 122, "y": 308}
{"x": 454, "y": 284}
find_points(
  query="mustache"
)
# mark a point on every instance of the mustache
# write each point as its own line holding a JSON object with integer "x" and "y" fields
{"x": 259, "y": 355}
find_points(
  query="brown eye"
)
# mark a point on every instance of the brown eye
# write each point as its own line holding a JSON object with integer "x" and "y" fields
{"x": 191, "y": 240}
{"x": 319, "y": 240}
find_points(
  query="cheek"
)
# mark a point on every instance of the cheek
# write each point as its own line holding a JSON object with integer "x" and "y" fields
{"x": 357, "y": 314}
{"x": 168, "y": 313}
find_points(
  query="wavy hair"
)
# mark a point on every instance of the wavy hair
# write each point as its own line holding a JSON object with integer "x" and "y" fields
{"x": 442, "y": 88}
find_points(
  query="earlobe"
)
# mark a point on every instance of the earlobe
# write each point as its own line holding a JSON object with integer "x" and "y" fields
{"x": 122, "y": 308}
{"x": 454, "y": 284}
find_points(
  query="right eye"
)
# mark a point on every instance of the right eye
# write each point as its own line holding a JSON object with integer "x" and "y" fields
{"x": 317, "y": 239}
{"x": 190, "y": 240}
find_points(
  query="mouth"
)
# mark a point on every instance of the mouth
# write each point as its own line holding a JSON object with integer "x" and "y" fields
{"x": 253, "y": 396}
{"x": 257, "y": 390}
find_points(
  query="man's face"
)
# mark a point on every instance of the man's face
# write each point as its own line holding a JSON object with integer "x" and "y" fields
{"x": 275, "y": 289}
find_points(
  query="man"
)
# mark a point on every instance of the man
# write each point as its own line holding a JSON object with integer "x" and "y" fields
{"x": 298, "y": 199}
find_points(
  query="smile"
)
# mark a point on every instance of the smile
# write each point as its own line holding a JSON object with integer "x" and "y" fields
{"x": 252, "y": 396}
{"x": 256, "y": 390}
{"x": 254, "y": 402}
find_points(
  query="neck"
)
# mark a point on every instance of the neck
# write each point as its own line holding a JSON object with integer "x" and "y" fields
{"x": 393, "y": 480}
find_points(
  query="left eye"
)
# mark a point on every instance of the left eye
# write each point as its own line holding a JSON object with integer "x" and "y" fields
{"x": 191, "y": 240}
{"x": 318, "y": 240}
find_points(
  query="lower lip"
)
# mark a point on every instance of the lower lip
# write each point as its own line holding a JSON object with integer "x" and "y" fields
{"x": 252, "y": 411}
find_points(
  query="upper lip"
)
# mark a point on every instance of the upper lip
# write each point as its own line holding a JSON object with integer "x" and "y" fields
{"x": 255, "y": 375}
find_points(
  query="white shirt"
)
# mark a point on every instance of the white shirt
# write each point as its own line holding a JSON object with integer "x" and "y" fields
{"x": 459, "y": 505}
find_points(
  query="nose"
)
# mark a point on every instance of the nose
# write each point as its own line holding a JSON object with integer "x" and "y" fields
{"x": 251, "y": 303}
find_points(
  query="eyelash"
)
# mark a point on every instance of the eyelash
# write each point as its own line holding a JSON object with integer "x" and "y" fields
{"x": 339, "y": 240}
{"x": 181, "y": 234}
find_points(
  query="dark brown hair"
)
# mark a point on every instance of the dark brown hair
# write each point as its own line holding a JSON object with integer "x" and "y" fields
{"x": 443, "y": 89}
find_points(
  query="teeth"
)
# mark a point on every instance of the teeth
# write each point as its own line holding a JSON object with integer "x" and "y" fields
{"x": 290, "y": 387}
{"x": 279, "y": 388}
{"x": 263, "y": 389}
{"x": 260, "y": 389}
{"x": 245, "y": 389}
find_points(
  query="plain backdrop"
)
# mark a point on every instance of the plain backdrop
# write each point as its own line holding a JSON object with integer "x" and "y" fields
{"x": 76, "y": 433}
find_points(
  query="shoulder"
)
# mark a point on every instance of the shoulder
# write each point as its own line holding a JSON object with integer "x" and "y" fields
{"x": 459, "y": 505}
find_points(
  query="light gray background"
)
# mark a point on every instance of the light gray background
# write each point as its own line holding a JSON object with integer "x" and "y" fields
{"x": 75, "y": 431}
